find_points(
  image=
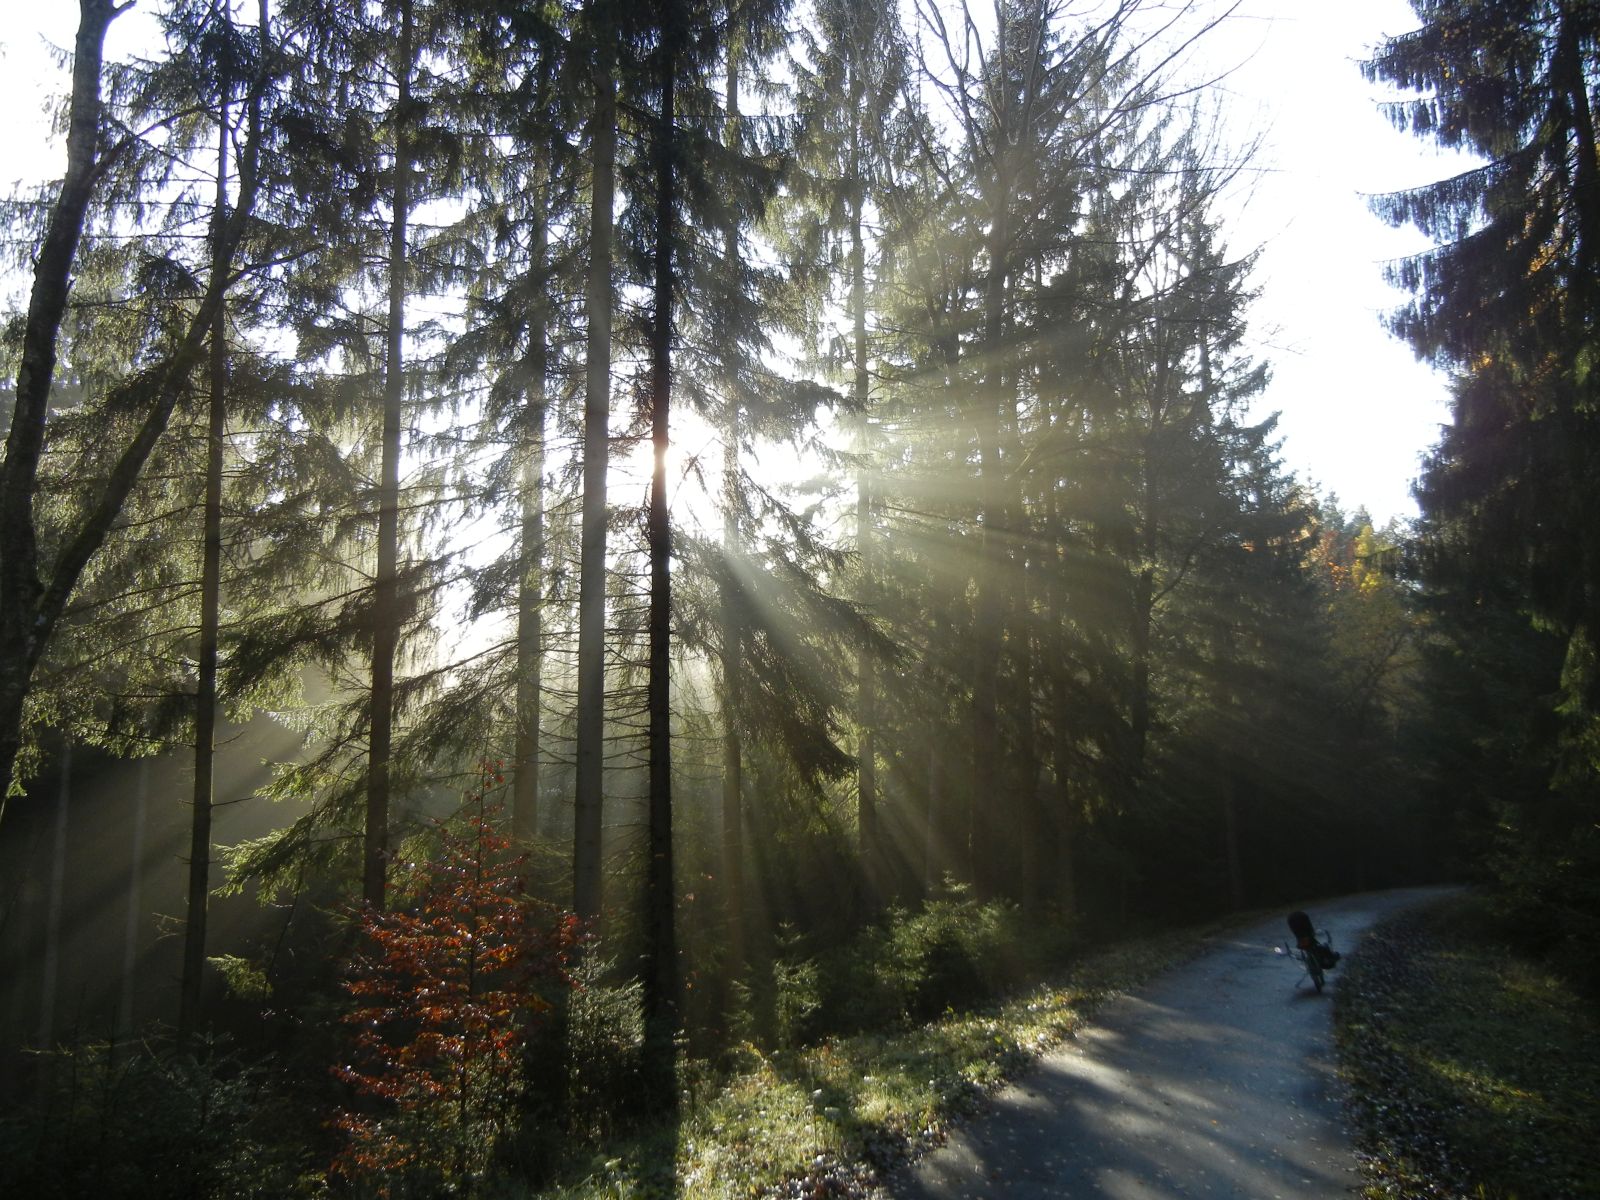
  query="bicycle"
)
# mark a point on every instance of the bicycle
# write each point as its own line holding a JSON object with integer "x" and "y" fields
{"x": 1312, "y": 949}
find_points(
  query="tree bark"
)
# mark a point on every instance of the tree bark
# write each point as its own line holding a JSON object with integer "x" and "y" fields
{"x": 386, "y": 583}
{"x": 660, "y": 930}
{"x": 933, "y": 854}
{"x": 130, "y": 931}
{"x": 988, "y": 635}
{"x": 531, "y": 567}
{"x": 866, "y": 683}
{"x": 588, "y": 800}
{"x": 732, "y": 621}
{"x": 49, "y": 972}
{"x": 1570, "y": 78}
{"x": 1144, "y": 585}
{"x": 205, "y": 701}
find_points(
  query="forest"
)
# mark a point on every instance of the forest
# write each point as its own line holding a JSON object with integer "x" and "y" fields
{"x": 547, "y": 545}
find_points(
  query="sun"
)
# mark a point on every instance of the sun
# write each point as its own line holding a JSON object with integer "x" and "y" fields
{"x": 694, "y": 474}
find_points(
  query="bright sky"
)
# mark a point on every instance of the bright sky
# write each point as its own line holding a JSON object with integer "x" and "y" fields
{"x": 1357, "y": 409}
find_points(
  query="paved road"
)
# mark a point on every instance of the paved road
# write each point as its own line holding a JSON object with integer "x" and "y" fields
{"x": 1216, "y": 1081}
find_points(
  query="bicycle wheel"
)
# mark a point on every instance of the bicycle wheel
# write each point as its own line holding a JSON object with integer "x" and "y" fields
{"x": 1314, "y": 969}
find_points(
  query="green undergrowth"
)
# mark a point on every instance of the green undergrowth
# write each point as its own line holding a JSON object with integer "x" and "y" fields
{"x": 826, "y": 1119}
{"x": 1472, "y": 1067}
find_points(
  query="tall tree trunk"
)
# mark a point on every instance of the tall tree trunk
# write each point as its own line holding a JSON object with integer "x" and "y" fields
{"x": 588, "y": 800}
{"x": 1571, "y": 78}
{"x": 1139, "y": 694}
{"x": 660, "y": 932}
{"x": 1059, "y": 701}
{"x": 135, "y": 901}
{"x": 205, "y": 700}
{"x": 988, "y": 635}
{"x": 1144, "y": 592}
{"x": 1066, "y": 823}
{"x": 867, "y": 683}
{"x": 530, "y": 640}
{"x": 22, "y": 634}
{"x": 386, "y": 584}
{"x": 732, "y": 618}
{"x": 1023, "y": 570}
{"x": 933, "y": 854}
{"x": 1025, "y": 769}
{"x": 531, "y": 565}
{"x": 49, "y": 973}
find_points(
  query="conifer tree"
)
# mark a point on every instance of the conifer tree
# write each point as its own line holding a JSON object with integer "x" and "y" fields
{"x": 40, "y": 568}
{"x": 603, "y": 46}
{"x": 660, "y": 974}
{"x": 852, "y": 73}
{"x": 1507, "y": 299}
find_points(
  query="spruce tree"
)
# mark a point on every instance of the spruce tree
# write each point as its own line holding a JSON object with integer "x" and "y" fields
{"x": 1507, "y": 299}
{"x": 39, "y": 569}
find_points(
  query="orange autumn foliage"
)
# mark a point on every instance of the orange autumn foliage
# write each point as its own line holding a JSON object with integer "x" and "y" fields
{"x": 445, "y": 994}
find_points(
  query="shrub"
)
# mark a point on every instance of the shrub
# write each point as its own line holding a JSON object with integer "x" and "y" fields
{"x": 953, "y": 952}
{"x": 131, "y": 1121}
{"x": 604, "y": 1047}
{"x": 444, "y": 997}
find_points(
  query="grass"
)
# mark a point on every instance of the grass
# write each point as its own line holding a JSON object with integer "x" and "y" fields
{"x": 825, "y": 1120}
{"x": 1472, "y": 1067}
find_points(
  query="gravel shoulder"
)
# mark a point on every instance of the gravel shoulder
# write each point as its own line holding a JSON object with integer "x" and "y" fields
{"x": 1216, "y": 1080}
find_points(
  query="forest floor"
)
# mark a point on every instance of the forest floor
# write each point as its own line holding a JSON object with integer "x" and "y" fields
{"x": 832, "y": 1120}
{"x": 1472, "y": 1066}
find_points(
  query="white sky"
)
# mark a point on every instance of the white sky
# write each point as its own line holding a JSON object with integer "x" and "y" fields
{"x": 1357, "y": 409}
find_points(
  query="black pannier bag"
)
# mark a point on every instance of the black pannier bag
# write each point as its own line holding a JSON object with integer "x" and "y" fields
{"x": 1305, "y": 936}
{"x": 1300, "y": 925}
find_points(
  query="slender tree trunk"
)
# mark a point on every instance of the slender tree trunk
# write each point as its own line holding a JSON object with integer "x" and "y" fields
{"x": 867, "y": 683}
{"x": 1144, "y": 590}
{"x": 205, "y": 701}
{"x": 1139, "y": 697}
{"x": 732, "y": 620}
{"x": 988, "y": 635}
{"x": 732, "y": 744}
{"x": 530, "y": 641}
{"x": 933, "y": 856}
{"x": 48, "y": 975}
{"x": 1569, "y": 75}
{"x": 1061, "y": 716}
{"x": 1061, "y": 724}
{"x": 588, "y": 801}
{"x": 531, "y": 567}
{"x": 1025, "y": 769}
{"x": 1022, "y": 578}
{"x": 1573, "y": 78}
{"x": 1066, "y": 824}
{"x": 660, "y": 932}
{"x": 386, "y": 584}
{"x": 130, "y": 931}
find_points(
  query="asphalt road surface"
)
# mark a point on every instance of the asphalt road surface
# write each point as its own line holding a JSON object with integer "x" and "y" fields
{"x": 1215, "y": 1081}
